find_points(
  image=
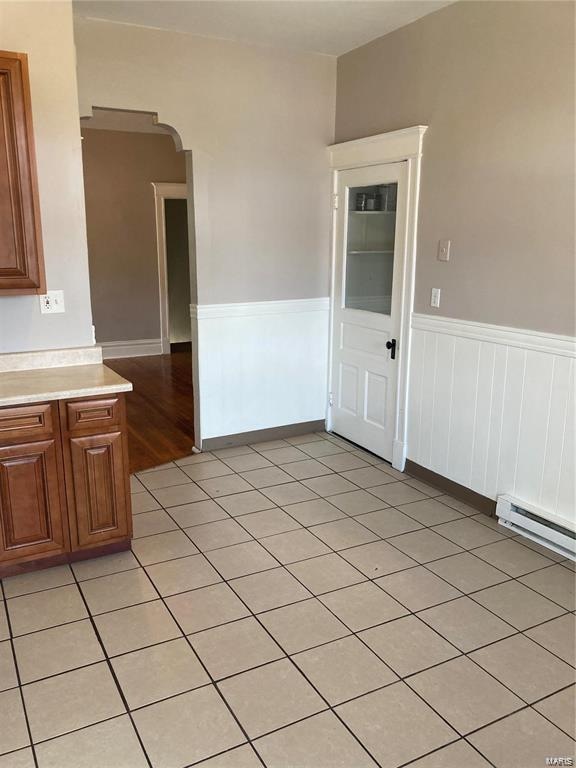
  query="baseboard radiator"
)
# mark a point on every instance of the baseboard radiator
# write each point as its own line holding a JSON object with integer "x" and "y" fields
{"x": 535, "y": 523}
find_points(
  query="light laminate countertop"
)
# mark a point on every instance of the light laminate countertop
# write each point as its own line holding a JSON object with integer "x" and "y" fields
{"x": 60, "y": 383}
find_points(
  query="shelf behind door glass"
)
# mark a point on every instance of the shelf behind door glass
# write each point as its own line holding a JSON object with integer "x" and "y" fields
{"x": 370, "y": 248}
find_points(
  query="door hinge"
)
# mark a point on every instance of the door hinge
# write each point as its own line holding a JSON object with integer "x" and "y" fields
{"x": 335, "y": 201}
{"x": 330, "y": 399}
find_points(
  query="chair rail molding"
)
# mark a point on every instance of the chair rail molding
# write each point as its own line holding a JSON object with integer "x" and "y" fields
{"x": 404, "y": 145}
{"x": 537, "y": 341}
{"x": 492, "y": 408}
{"x": 249, "y": 308}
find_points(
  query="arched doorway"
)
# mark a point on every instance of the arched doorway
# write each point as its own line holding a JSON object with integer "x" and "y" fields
{"x": 140, "y": 229}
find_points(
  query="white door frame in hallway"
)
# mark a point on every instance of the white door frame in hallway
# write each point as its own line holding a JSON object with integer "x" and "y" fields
{"x": 396, "y": 146}
{"x": 164, "y": 191}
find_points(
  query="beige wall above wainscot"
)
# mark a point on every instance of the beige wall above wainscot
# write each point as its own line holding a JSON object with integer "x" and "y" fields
{"x": 44, "y": 32}
{"x": 494, "y": 81}
{"x": 119, "y": 168}
{"x": 258, "y": 120}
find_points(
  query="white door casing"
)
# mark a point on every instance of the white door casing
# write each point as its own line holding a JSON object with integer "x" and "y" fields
{"x": 371, "y": 407}
{"x": 364, "y": 371}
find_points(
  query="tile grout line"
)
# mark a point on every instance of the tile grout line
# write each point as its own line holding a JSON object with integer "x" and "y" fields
{"x": 293, "y": 663}
{"x": 285, "y": 566}
{"x": 366, "y": 579}
{"x": 254, "y": 616}
{"x": 318, "y": 595}
{"x": 112, "y": 671}
{"x": 429, "y": 527}
{"x": 201, "y": 662}
{"x": 18, "y": 679}
{"x": 466, "y": 654}
{"x": 110, "y": 666}
{"x": 236, "y": 518}
{"x": 400, "y": 678}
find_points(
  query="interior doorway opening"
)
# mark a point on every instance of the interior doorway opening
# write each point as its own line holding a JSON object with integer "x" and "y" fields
{"x": 171, "y": 207}
{"x": 142, "y": 268}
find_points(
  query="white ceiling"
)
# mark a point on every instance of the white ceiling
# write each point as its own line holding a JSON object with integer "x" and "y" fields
{"x": 322, "y": 26}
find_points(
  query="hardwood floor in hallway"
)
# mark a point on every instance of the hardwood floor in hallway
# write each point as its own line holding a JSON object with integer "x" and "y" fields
{"x": 160, "y": 408}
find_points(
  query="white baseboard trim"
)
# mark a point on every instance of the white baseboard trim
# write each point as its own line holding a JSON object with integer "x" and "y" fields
{"x": 131, "y": 348}
{"x": 537, "y": 341}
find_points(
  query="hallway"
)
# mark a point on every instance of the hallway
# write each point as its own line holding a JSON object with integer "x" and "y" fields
{"x": 160, "y": 408}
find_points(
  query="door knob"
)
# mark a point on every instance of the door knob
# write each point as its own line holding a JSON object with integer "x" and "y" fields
{"x": 391, "y": 345}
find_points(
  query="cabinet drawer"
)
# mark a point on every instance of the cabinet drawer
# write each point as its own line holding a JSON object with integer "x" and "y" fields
{"x": 92, "y": 414}
{"x": 27, "y": 422}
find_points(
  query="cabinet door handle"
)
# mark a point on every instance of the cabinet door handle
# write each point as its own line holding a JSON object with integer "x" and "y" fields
{"x": 391, "y": 345}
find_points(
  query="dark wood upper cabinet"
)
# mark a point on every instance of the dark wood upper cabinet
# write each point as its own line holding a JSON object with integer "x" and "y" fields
{"x": 21, "y": 259}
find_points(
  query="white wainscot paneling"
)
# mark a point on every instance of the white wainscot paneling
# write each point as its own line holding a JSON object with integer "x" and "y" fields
{"x": 261, "y": 364}
{"x": 492, "y": 408}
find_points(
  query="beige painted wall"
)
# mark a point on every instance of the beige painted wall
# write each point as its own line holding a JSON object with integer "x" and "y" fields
{"x": 44, "y": 32}
{"x": 119, "y": 168}
{"x": 257, "y": 120}
{"x": 495, "y": 83}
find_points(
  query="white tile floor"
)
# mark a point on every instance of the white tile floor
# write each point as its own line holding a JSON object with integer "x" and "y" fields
{"x": 293, "y": 604}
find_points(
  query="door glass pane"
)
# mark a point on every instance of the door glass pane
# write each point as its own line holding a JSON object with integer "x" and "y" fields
{"x": 370, "y": 247}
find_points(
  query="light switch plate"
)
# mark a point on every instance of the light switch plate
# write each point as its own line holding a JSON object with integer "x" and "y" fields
{"x": 435, "y": 298}
{"x": 52, "y": 302}
{"x": 443, "y": 250}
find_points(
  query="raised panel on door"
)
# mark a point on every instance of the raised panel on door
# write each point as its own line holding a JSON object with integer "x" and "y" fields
{"x": 21, "y": 261}
{"x": 100, "y": 508}
{"x": 376, "y": 399}
{"x": 348, "y": 388}
{"x": 31, "y": 521}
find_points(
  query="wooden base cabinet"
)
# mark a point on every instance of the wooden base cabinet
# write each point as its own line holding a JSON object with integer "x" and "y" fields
{"x": 64, "y": 482}
{"x": 31, "y": 501}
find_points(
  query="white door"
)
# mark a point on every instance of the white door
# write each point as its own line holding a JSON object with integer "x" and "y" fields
{"x": 370, "y": 232}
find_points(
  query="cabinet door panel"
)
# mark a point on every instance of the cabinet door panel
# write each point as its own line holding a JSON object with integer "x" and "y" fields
{"x": 30, "y": 503}
{"x": 101, "y": 509}
{"x": 21, "y": 262}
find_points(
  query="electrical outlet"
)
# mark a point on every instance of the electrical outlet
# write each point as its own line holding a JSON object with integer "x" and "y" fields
{"x": 443, "y": 250}
{"x": 52, "y": 302}
{"x": 435, "y": 298}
